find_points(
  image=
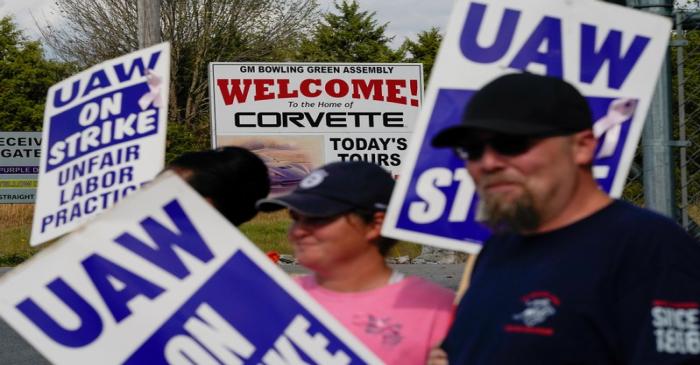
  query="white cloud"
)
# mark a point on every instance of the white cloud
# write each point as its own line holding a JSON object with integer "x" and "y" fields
{"x": 24, "y": 12}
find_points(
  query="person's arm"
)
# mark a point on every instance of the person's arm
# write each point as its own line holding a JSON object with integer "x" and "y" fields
{"x": 437, "y": 356}
{"x": 658, "y": 312}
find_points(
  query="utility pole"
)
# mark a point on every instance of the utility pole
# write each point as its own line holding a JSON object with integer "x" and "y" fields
{"x": 656, "y": 137}
{"x": 148, "y": 22}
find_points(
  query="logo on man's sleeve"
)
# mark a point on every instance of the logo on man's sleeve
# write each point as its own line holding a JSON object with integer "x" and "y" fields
{"x": 676, "y": 327}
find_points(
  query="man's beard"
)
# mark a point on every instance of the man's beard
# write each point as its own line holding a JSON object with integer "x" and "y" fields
{"x": 503, "y": 215}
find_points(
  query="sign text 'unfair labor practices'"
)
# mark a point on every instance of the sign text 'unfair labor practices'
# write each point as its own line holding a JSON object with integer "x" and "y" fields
{"x": 104, "y": 136}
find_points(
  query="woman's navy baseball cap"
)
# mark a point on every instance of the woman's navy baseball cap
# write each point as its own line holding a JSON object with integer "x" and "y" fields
{"x": 521, "y": 104}
{"x": 337, "y": 188}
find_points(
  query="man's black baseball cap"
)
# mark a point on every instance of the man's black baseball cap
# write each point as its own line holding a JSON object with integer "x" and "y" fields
{"x": 337, "y": 188}
{"x": 522, "y": 104}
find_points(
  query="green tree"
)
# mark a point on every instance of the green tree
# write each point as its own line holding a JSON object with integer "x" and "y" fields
{"x": 424, "y": 50}
{"x": 25, "y": 77}
{"x": 351, "y": 35}
{"x": 199, "y": 32}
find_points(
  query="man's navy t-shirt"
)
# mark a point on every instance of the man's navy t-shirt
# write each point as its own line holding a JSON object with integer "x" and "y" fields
{"x": 619, "y": 287}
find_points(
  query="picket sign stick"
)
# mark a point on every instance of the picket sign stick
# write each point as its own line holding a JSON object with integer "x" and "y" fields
{"x": 466, "y": 278}
{"x": 461, "y": 289}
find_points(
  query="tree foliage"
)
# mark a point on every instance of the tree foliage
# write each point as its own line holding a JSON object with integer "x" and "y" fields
{"x": 200, "y": 31}
{"x": 424, "y": 50}
{"x": 204, "y": 31}
{"x": 351, "y": 35}
{"x": 25, "y": 77}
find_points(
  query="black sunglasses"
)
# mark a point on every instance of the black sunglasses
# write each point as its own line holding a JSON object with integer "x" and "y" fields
{"x": 507, "y": 145}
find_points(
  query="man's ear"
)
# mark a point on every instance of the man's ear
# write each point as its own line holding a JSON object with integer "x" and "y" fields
{"x": 584, "y": 147}
{"x": 375, "y": 227}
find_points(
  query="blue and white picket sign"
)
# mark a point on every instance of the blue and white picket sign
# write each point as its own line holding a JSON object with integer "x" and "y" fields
{"x": 610, "y": 53}
{"x": 163, "y": 278}
{"x": 103, "y": 136}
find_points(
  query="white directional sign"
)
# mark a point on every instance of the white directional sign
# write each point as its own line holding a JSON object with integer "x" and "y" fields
{"x": 19, "y": 166}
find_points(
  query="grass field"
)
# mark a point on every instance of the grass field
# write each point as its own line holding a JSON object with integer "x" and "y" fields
{"x": 15, "y": 226}
{"x": 268, "y": 231}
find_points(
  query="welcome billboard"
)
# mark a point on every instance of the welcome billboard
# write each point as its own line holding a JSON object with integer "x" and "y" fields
{"x": 298, "y": 116}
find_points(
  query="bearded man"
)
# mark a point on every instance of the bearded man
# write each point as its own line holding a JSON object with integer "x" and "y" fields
{"x": 570, "y": 276}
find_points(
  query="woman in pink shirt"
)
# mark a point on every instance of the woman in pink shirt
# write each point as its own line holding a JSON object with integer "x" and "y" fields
{"x": 337, "y": 214}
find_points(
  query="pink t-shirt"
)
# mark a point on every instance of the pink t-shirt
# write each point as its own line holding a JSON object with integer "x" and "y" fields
{"x": 399, "y": 322}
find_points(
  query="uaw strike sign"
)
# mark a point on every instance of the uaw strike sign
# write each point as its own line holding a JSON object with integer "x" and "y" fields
{"x": 163, "y": 278}
{"x": 610, "y": 53}
{"x": 297, "y": 116}
{"x": 103, "y": 136}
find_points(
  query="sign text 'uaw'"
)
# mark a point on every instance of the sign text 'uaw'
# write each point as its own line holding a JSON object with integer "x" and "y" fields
{"x": 104, "y": 136}
{"x": 610, "y": 53}
{"x": 163, "y": 278}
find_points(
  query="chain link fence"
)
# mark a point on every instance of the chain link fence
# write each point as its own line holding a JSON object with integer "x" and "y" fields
{"x": 685, "y": 52}
{"x": 684, "y": 57}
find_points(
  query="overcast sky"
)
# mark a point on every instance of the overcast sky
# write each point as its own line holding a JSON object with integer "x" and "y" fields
{"x": 22, "y": 11}
{"x": 405, "y": 17}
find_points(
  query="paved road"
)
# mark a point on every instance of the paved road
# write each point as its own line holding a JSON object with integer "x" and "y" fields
{"x": 446, "y": 275}
{"x": 14, "y": 350}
